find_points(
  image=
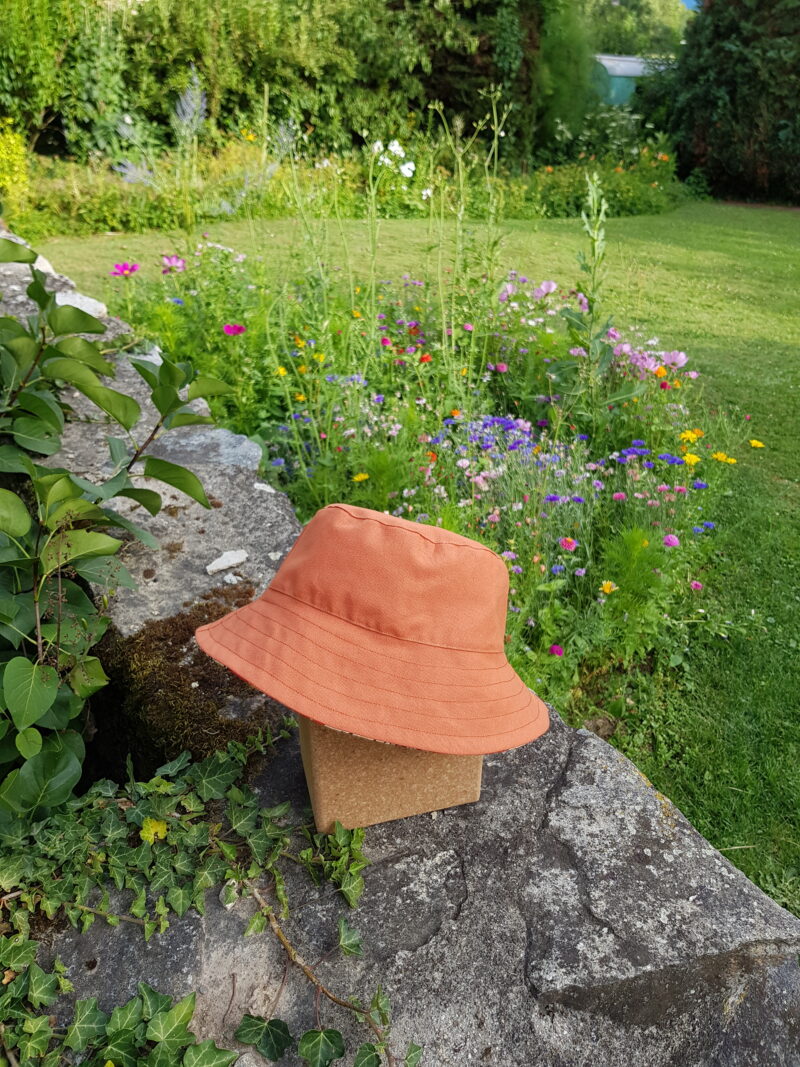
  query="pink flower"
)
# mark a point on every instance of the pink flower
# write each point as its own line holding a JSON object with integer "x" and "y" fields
{"x": 385, "y": 342}
{"x": 172, "y": 263}
{"x": 569, "y": 544}
{"x": 124, "y": 270}
{"x": 664, "y": 385}
{"x": 556, "y": 650}
{"x": 618, "y": 496}
{"x": 671, "y": 541}
{"x": 697, "y": 586}
{"x": 468, "y": 327}
{"x": 501, "y": 368}
{"x": 233, "y": 329}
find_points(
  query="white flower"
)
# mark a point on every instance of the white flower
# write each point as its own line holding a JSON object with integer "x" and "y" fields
{"x": 377, "y": 147}
{"x": 396, "y": 149}
{"x": 384, "y": 160}
{"x": 322, "y": 164}
{"x": 427, "y": 193}
{"x": 407, "y": 169}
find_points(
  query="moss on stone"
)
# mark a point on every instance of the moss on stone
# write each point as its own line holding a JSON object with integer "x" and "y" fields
{"x": 166, "y": 695}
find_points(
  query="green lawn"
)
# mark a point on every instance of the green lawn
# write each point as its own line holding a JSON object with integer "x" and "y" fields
{"x": 720, "y": 282}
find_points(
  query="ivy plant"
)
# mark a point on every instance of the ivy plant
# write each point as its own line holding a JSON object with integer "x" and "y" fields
{"x": 54, "y": 531}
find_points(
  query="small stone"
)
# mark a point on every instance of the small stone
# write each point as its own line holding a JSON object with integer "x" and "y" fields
{"x": 263, "y": 487}
{"x": 232, "y": 579}
{"x": 274, "y": 555}
{"x": 226, "y": 561}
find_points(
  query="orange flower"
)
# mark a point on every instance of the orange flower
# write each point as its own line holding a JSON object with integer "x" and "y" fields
{"x": 431, "y": 456}
{"x": 455, "y": 413}
{"x": 660, "y": 372}
{"x": 426, "y": 357}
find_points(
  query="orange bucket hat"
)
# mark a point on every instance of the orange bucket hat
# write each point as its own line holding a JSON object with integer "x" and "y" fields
{"x": 387, "y": 629}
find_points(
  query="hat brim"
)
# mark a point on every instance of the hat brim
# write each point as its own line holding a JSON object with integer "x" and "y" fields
{"x": 383, "y": 688}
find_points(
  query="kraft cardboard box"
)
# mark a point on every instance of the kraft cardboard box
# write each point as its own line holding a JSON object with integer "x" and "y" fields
{"x": 360, "y": 782}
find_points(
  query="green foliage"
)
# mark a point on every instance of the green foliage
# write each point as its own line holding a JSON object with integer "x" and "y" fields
{"x": 51, "y": 539}
{"x": 14, "y": 177}
{"x": 149, "y": 1028}
{"x": 737, "y": 104}
{"x": 636, "y": 27}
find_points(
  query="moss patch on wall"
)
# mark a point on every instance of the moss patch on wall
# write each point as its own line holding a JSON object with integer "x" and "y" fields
{"x": 166, "y": 695}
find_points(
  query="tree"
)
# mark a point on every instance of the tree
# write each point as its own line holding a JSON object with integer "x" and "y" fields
{"x": 737, "y": 110}
{"x": 636, "y": 27}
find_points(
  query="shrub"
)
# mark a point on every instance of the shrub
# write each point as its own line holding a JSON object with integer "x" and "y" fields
{"x": 14, "y": 178}
{"x": 52, "y": 539}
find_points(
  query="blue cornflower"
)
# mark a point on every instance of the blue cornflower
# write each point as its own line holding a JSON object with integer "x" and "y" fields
{"x": 710, "y": 525}
{"x": 700, "y": 485}
{"x": 177, "y": 300}
{"x": 279, "y": 463}
{"x": 552, "y": 498}
{"x": 557, "y": 568}
{"x": 697, "y": 529}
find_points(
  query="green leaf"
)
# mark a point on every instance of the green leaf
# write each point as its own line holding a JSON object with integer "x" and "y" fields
{"x": 188, "y": 418}
{"x": 44, "y": 406}
{"x": 68, "y": 319}
{"x": 85, "y": 352}
{"x": 148, "y": 498}
{"x": 29, "y": 689}
{"x": 176, "y": 476}
{"x": 14, "y": 518}
{"x": 105, "y": 571}
{"x": 351, "y": 887}
{"x": 126, "y": 1016}
{"x": 257, "y": 925}
{"x": 214, "y": 776}
{"x": 349, "y": 940}
{"x": 169, "y": 770}
{"x": 271, "y": 1039}
{"x": 206, "y": 1054}
{"x": 413, "y": 1056}
{"x": 143, "y": 535}
{"x": 367, "y": 1056}
{"x": 203, "y": 386}
{"x": 179, "y": 899}
{"x": 69, "y": 545}
{"x": 147, "y": 370}
{"x": 13, "y": 252}
{"x": 321, "y": 1047}
{"x": 36, "y": 1035}
{"x": 124, "y": 409}
{"x": 166, "y": 399}
{"x": 88, "y": 1023}
{"x": 153, "y": 1002}
{"x": 45, "y": 780}
{"x": 13, "y": 461}
{"x": 17, "y": 955}
{"x": 121, "y": 1050}
{"x": 28, "y": 742}
{"x": 169, "y": 1026}
{"x": 34, "y": 435}
{"x": 42, "y": 987}
{"x": 87, "y": 677}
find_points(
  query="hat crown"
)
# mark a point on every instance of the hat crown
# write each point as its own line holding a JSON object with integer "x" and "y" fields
{"x": 399, "y": 578}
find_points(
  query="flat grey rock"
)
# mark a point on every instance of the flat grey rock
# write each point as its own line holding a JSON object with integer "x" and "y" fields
{"x": 78, "y": 300}
{"x": 571, "y": 917}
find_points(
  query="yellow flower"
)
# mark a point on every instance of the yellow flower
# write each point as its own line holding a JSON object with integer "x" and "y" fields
{"x": 463, "y": 371}
{"x": 153, "y": 828}
{"x": 720, "y": 456}
{"x": 756, "y": 444}
{"x": 698, "y": 433}
{"x": 302, "y": 369}
{"x": 360, "y": 477}
{"x": 356, "y": 313}
{"x": 645, "y": 543}
{"x": 358, "y": 288}
{"x": 299, "y": 396}
{"x": 282, "y": 371}
{"x": 690, "y": 458}
{"x": 676, "y": 384}
{"x": 299, "y": 341}
{"x": 608, "y": 587}
{"x": 660, "y": 372}
{"x": 729, "y": 460}
{"x": 688, "y": 435}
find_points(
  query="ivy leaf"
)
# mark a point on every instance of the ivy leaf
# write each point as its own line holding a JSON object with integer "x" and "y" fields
{"x": 126, "y": 1016}
{"x": 169, "y": 1026}
{"x": 214, "y": 776}
{"x": 42, "y": 987}
{"x": 413, "y": 1056}
{"x": 349, "y": 940}
{"x": 321, "y": 1047}
{"x": 206, "y": 1054}
{"x": 179, "y": 899}
{"x": 121, "y": 1050}
{"x": 29, "y": 690}
{"x": 88, "y": 1023}
{"x": 14, "y": 518}
{"x": 19, "y": 955}
{"x": 35, "y": 1037}
{"x": 367, "y": 1056}
{"x": 271, "y": 1038}
{"x": 169, "y": 770}
{"x": 153, "y": 1003}
{"x": 351, "y": 887}
{"x": 152, "y": 829}
{"x": 176, "y": 476}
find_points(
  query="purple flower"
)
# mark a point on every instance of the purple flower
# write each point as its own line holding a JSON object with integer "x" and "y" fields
{"x": 172, "y": 264}
{"x": 279, "y": 463}
{"x": 671, "y": 541}
{"x": 378, "y": 398}
{"x": 700, "y": 485}
{"x": 552, "y": 498}
{"x": 580, "y": 572}
{"x": 233, "y": 329}
{"x": 556, "y": 650}
{"x": 516, "y": 569}
{"x": 124, "y": 270}
{"x": 557, "y": 568}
